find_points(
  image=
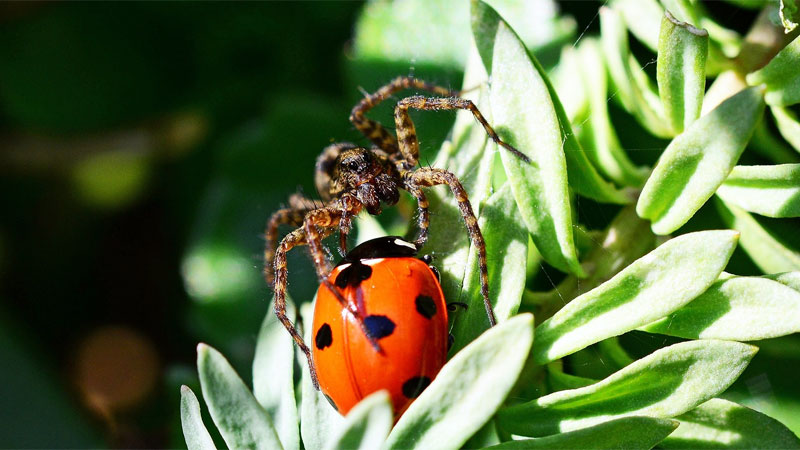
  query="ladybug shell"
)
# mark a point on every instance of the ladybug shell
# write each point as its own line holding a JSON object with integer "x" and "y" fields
{"x": 402, "y": 304}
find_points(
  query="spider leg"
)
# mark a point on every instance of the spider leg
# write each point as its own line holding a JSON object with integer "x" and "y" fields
{"x": 287, "y": 216}
{"x": 426, "y": 176}
{"x": 423, "y": 220}
{"x": 407, "y": 134}
{"x": 372, "y": 129}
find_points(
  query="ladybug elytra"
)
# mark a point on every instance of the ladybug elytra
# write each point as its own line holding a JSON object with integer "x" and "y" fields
{"x": 404, "y": 312}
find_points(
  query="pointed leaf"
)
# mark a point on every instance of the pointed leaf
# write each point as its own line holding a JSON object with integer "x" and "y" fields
{"x": 737, "y": 308}
{"x": 719, "y": 423}
{"x": 766, "y": 250}
{"x": 682, "y": 52}
{"x": 194, "y": 431}
{"x": 696, "y": 163}
{"x": 468, "y": 390}
{"x": 525, "y": 117}
{"x": 273, "y": 378}
{"x": 772, "y": 191}
{"x": 664, "y": 384}
{"x": 507, "y": 243}
{"x": 650, "y": 288}
{"x": 788, "y": 126}
{"x": 781, "y": 76}
{"x": 241, "y": 421}
{"x": 627, "y": 432}
{"x": 366, "y": 425}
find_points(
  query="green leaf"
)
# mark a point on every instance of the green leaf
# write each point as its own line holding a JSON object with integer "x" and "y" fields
{"x": 664, "y": 384}
{"x": 650, "y": 288}
{"x": 366, "y": 425}
{"x": 719, "y": 423}
{"x": 606, "y": 152}
{"x": 626, "y": 432}
{"x": 781, "y": 76}
{"x": 507, "y": 246}
{"x": 567, "y": 83}
{"x": 766, "y": 249}
{"x": 789, "y": 14}
{"x": 788, "y": 126}
{"x": 468, "y": 390}
{"x": 772, "y": 191}
{"x": 790, "y": 279}
{"x": 772, "y": 147}
{"x": 194, "y": 431}
{"x": 273, "y": 377}
{"x": 643, "y": 18}
{"x": 681, "y": 71}
{"x": 696, "y": 163}
{"x": 557, "y": 380}
{"x": 633, "y": 86}
{"x": 241, "y": 421}
{"x": 738, "y": 308}
{"x": 319, "y": 422}
{"x": 525, "y": 117}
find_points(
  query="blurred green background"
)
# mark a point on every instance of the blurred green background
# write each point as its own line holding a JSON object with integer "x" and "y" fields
{"x": 143, "y": 146}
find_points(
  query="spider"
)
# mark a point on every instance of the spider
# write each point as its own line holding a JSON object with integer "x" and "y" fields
{"x": 350, "y": 178}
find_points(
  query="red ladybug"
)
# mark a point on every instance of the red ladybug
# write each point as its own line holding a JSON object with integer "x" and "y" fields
{"x": 403, "y": 310}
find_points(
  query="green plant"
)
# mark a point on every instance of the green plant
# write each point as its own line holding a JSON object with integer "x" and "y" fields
{"x": 525, "y": 378}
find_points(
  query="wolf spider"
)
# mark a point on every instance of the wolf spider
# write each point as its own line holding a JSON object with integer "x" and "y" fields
{"x": 350, "y": 178}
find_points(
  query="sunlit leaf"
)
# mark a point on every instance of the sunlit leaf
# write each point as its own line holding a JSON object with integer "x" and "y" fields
{"x": 719, "y": 423}
{"x": 626, "y": 432}
{"x": 682, "y": 52}
{"x": 643, "y": 18}
{"x": 772, "y": 191}
{"x": 648, "y": 289}
{"x": 781, "y": 76}
{"x": 525, "y": 117}
{"x": 788, "y": 125}
{"x": 241, "y": 421}
{"x": 366, "y": 425}
{"x": 696, "y": 162}
{"x": 737, "y": 308}
{"x": 468, "y": 390}
{"x": 789, "y": 14}
{"x": 194, "y": 431}
{"x": 664, "y": 384}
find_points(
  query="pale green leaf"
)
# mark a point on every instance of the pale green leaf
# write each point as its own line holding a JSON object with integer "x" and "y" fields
{"x": 194, "y": 431}
{"x": 567, "y": 83}
{"x": 273, "y": 378}
{"x": 623, "y": 433}
{"x": 663, "y": 384}
{"x": 643, "y": 18}
{"x": 468, "y": 390}
{"x": 605, "y": 150}
{"x": 681, "y": 71}
{"x": 790, "y": 279}
{"x": 696, "y": 163}
{"x": 241, "y": 421}
{"x": 525, "y": 117}
{"x": 772, "y": 191}
{"x": 631, "y": 84}
{"x": 737, "y": 308}
{"x": 788, "y": 125}
{"x": 790, "y": 15}
{"x": 719, "y": 423}
{"x": 650, "y": 288}
{"x": 507, "y": 246}
{"x": 766, "y": 249}
{"x": 319, "y": 422}
{"x": 781, "y": 76}
{"x": 366, "y": 425}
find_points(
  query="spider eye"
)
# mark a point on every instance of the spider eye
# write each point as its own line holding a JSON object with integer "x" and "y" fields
{"x": 351, "y": 165}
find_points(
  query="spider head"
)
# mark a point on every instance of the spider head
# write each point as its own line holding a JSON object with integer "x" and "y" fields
{"x": 361, "y": 172}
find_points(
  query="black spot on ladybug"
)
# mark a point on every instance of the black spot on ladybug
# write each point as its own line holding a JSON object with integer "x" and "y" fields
{"x": 330, "y": 400}
{"x": 353, "y": 275}
{"x": 379, "y": 326}
{"x": 414, "y": 386}
{"x": 324, "y": 337}
{"x": 425, "y": 306}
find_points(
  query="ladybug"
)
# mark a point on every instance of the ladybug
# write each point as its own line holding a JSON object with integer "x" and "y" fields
{"x": 404, "y": 312}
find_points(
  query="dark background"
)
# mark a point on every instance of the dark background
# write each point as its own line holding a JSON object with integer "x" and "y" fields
{"x": 142, "y": 148}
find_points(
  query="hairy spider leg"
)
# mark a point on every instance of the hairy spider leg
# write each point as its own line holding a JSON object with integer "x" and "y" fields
{"x": 423, "y": 219}
{"x": 372, "y": 129}
{"x": 286, "y": 216}
{"x": 426, "y": 177}
{"x": 407, "y": 134}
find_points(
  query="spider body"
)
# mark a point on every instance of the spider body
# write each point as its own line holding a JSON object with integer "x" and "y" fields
{"x": 350, "y": 178}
